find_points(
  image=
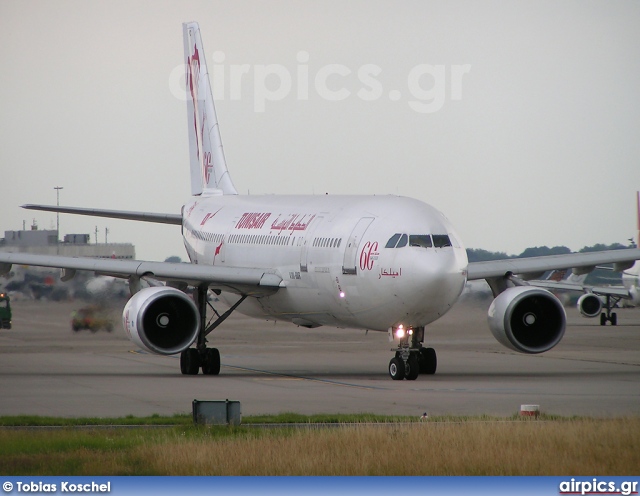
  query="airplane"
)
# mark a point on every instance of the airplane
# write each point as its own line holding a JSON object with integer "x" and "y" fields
{"x": 631, "y": 277}
{"x": 631, "y": 281}
{"x": 381, "y": 263}
{"x": 599, "y": 300}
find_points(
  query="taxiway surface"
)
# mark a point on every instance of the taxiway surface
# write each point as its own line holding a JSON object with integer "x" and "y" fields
{"x": 46, "y": 369}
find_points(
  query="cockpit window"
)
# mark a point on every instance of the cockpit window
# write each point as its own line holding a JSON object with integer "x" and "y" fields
{"x": 393, "y": 241}
{"x": 441, "y": 240}
{"x": 420, "y": 240}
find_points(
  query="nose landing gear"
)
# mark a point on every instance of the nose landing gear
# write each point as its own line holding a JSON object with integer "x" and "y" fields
{"x": 411, "y": 358}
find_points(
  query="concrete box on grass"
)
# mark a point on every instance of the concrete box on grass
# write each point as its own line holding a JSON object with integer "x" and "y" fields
{"x": 216, "y": 412}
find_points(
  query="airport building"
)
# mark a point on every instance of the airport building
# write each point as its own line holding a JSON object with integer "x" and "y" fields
{"x": 45, "y": 242}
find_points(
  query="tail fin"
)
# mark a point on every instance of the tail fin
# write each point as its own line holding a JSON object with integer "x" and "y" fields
{"x": 209, "y": 174}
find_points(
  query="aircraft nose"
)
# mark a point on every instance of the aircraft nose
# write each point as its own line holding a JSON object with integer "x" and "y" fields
{"x": 440, "y": 277}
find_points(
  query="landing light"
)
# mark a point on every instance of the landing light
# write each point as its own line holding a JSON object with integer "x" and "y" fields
{"x": 401, "y": 331}
{"x": 341, "y": 294}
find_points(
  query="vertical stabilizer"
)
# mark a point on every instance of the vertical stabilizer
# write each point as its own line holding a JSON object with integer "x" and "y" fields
{"x": 209, "y": 174}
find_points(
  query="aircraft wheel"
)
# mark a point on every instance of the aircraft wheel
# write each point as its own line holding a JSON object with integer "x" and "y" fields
{"x": 211, "y": 362}
{"x": 429, "y": 362}
{"x": 396, "y": 369}
{"x": 614, "y": 318}
{"x": 190, "y": 361}
{"x": 413, "y": 368}
{"x": 603, "y": 319}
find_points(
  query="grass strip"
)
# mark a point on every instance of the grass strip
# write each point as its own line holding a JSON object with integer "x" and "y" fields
{"x": 439, "y": 446}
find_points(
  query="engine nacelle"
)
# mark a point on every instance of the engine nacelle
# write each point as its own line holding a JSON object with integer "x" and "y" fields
{"x": 162, "y": 320}
{"x": 527, "y": 319}
{"x": 590, "y": 305}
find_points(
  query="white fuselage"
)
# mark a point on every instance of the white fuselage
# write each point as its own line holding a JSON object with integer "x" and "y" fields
{"x": 334, "y": 256}
{"x": 631, "y": 281}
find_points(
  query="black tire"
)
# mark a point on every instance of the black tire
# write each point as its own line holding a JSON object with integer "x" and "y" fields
{"x": 429, "y": 361}
{"x": 190, "y": 362}
{"x": 413, "y": 367}
{"x": 396, "y": 369}
{"x": 603, "y": 319}
{"x": 614, "y": 318}
{"x": 211, "y": 362}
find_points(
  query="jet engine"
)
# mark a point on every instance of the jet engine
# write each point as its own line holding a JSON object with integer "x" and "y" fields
{"x": 589, "y": 305}
{"x": 527, "y": 319}
{"x": 162, "y": 320}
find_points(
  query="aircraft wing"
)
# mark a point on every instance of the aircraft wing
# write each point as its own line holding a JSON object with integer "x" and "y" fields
{"x": 114, "y": 214}
{"x": 534, "y": 266}
{"x": 251, "y": 281}
{"x": 598, "y": 290}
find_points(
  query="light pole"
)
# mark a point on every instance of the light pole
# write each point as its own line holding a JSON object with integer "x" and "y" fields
{"x": 58, "y": 188}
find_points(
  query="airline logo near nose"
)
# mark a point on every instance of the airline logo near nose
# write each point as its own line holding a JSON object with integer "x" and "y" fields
{"x": 369, "y": 255}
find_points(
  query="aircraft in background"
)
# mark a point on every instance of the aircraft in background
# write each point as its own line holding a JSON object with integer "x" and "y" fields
{"x": 381, "y": 263}
{"x": 631, "y": 281}
{"x": 598, "y": 300}
{"x": 631, "y": 277}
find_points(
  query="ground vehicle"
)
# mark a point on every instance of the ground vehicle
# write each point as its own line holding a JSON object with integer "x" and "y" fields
{"x": 91, "y": 317}
{"x": 5, "y": 311}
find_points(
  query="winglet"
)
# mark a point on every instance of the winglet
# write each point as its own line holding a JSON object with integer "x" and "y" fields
{"x": 209, "y": 173}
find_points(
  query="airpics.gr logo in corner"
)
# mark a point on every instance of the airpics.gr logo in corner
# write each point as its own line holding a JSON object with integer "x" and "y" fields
{"x": 63, "y": 487}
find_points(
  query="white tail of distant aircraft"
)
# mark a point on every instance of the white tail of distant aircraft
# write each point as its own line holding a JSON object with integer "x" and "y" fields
{"x": 381, "y": 263}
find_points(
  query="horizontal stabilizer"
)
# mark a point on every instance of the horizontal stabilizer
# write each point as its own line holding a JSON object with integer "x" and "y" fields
{"x": 114, "y": 214}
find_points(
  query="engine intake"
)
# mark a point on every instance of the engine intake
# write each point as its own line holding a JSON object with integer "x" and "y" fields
{"x": 589, "y": 305}
{"x": 162, "y": 320}
{"x": 527, "y": 319}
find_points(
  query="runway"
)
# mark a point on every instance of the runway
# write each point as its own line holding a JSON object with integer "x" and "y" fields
{"x": 46, "y": 369}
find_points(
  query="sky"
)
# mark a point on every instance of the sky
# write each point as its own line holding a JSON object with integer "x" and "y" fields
{"x": 520, "y": 121}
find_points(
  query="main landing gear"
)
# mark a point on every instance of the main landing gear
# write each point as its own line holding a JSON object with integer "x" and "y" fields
{"x": 609, "y": 316}
{"x": 411, "y": 359}
{"x": 201, "y": 357}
